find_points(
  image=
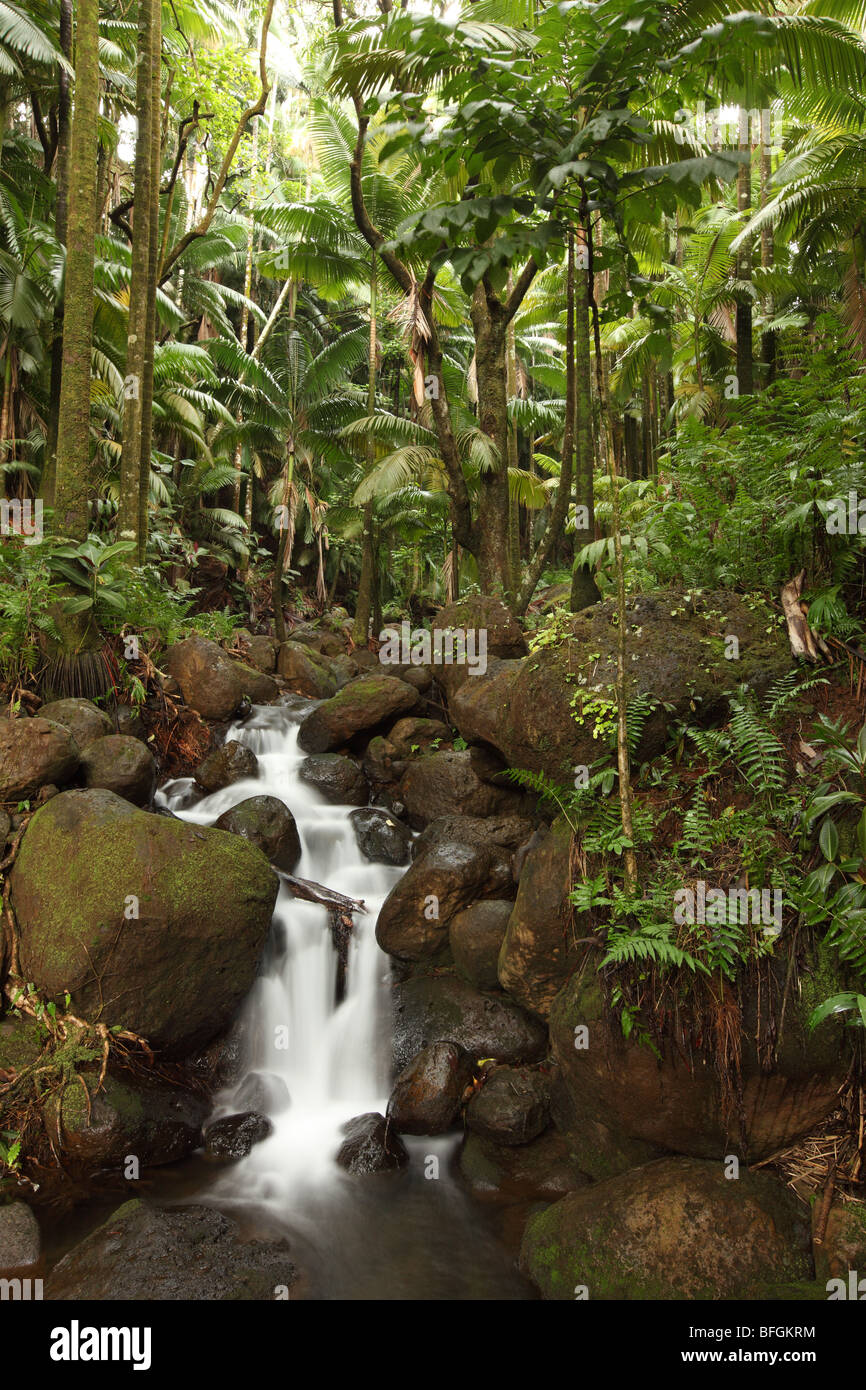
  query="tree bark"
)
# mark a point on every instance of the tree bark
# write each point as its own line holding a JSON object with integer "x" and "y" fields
{"x": 367, "y": 580}
{"x": 745, "y": 371}
{"x": 584, "y": 590}
{"x": 61, "y": 213}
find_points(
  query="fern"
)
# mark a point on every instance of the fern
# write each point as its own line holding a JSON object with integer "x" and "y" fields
{"x": 759, "y": 754}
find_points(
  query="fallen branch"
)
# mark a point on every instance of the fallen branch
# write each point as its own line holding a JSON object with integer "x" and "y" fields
{"x": 804, "y": 642}
{"x": 340, "y": 910}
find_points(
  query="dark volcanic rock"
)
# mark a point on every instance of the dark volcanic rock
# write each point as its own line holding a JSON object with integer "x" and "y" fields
{"x": 122, "y": 765}
{"x": 371, "y": 1146}
{"x": 210, "y": 681}
{"x": 441, "y": 1007}
{"x": 233, "y": 1136}
{"x": 268, "y": 823}
{"x": 34, "y": 752}
{"x": 362, "y": 704}
{"x": 340, "y": 779}
{"x": 476, "y": 935}
{"x": 381, "y": 839}
{"x": 512, "y": 1107}
{"x": 85, "y": 721}
{"x": 427, "y": 1094}
{"x": 234, "y": 762}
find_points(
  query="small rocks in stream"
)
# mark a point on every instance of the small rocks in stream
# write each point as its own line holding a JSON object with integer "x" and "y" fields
{"x": 234, "y": 1136}
{"x": 371, "y": 1146}
{"x": 19, "y": 1236}
{"x": 232, "y": 763}
{"x": 340, "y": 779}
{"x": 381, "y": 839}
{"x": 268, "y": 823}
{"x": 512, "y": 1107}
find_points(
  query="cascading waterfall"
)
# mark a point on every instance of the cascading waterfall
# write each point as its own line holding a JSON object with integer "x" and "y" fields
{"x": 318, "y": 1065}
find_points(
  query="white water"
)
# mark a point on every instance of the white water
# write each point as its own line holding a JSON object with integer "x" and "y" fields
{"x": 333, "y": 1061}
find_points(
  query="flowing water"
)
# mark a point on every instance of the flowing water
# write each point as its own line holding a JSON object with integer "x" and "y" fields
{"x": 400, "y": 1235}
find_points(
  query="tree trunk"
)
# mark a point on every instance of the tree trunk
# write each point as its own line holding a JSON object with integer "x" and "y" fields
{"x": 768, "y": 340}
{"x": 583, "y": 587}
{"x": 153, "y": 281}
{"x": 493, "y": 504}
{"x": 367, "y": 580}
{"x": 61, "y": 213}
{"x": 139, "y": 294}
{"x": 75, "y": 480}
{"x": 745, "y": 373}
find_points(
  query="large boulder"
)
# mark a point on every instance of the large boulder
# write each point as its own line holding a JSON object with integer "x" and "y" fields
{"x": 210, "y": 682}
{"x": 674, "y": 1229}
{"x": 84, "y": 720}
{"x": 489, "y": 626}
{"x": 304, "y": 673}
{"x": 441, "y": 1007}
{"x": 150, "y": 923}
{"x": 261, "y": 653}
{"x": 340, "y": 779}
{"x": 122, "y": 765}
{"x": 152, "y": 1120}
{"x": 541, "y": 1171}
{"x": 193, "y": 1253}
{"x": 503, "y": 833}
{"x": 261, "y": 688}
{"x": 268, "y": 823}
{"x": 476, "y": 934}
{"x": 537, "y": 954}
{"x": 233, "y": 762}
{"x": 33, "y": 754}
{"x": 512, "y": 1107}
{"x": 362, "y": 704}
{"x": 414, "y": 918}
{"x": 427, "y": 1094}
{"x": 415, "y": 735}
{"x": 452, "y": 783}
{"x": 674, "y": 1099}
{"x": 676, "y": 653}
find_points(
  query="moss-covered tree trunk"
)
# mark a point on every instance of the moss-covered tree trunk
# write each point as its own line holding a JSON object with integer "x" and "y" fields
{"x": 583, "y": 586}
{"x": 491, "y": 372}
{"x": 61, "y": 212}
{"x": 75, "y": 481}
{"x": 154, "y": 269}
{"x": 745, "y": 366}
{"x": 367, "y": 580}
{"x": 140, "y": 287}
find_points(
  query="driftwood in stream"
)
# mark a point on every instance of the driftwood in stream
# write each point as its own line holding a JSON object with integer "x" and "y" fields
{"x": 340, "y": 910}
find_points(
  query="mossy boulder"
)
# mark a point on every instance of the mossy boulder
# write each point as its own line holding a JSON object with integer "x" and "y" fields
{"x": 210, "y": 681}
{"x": 363, "y": 704}
{"x": 304, "y": 672}
{"x": 233, "y": 762}
{"x": 122, "y": 765}
{"x": 674, "y": 1229}
{"x": 476, "y": 935}
{"x": 542, "y": 712}
{"x": 440, "y": 1007}
{"x": 261, "y": 653}
{"x": 541, "y": 1171}
{"x": 35, "y": 753}
{"x": 456, "y": 783}
{"x": 149, "y": 1120}
{"x": 675, "y": 1101}
{"x": 85, "y": 721}
{"x": 150, "y": 923}
{"x": 261, "y": 687}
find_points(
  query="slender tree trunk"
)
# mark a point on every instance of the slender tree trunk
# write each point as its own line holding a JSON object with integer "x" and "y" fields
{"x": 140, "y": 288}
{"x": 493, "y": 504}
{"x": 583, "y": 587}
{"x": 153, "y": 281}
{"x": 745, "y": 371}
{"x": 367, "y": 580}
{"x": 245, "y": 319}
{"x": 75, "y": 480}
{"x": 768, "y": 340}
{"x": 512, "y": 458}
{"x": 64, "y": 107}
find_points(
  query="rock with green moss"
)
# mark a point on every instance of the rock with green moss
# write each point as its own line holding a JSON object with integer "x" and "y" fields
{"x": 674, "y": 1099}
{"x": 843, "y": 1246}
{"x": 128, "y": 1116}
{"x": 363, "y": 704}
{"x": 456, "y": 783}
{"x": 209, "y": 680}
{"x": 35, "y": 753}
{"x": 84, "y": 720}
{"x": 305, "y": 672}
{"x": 122, "y": 765}
{"x": 268, "y": 823}
{"x": 150, "y": 923}
{"x": 258, "y": 685}
{"x": 678, "y": 1228}
{"x": 549, "y": 712}
{"x": 491, "y": 631}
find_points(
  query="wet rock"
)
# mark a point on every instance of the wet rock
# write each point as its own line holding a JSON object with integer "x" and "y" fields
{"x": 451, "y": 783}
{"x": 476, "y": 935}
{"x": 414, "y": 735}
{"x": 340, "y": 779}
{"x": 121, "y": 765}
{"x": 512, "y": 1107}
{"x": 264, "y": 1092}
{"x": 156, "y": 1122}
{"x": 129, "y": 723}
{"x": 343, "y": 668}
{"x": 233, "y": 1136}
{"x": 442, "y": 1007}
{"x": 537, "y": 954}
{"x": 269, "y": 824}
{"x": 675, "y": 653}
{"x": 541, "y": 1171}
{"x": 304, "y": 673}
{"x": 177, "y": 972}
{"x": 231, "y": 763}
{"x": 427, "y": 1094}
{"x": 419, "y": 676}
{"x": 413, "y": 922}
{"x": 381, "y": 839}
{"x": 257, "y": 686}
{"x": 382, "y": 765}
{"x": 674, "y": 1229}
{"x": 209, "y": 680}
{"x": 843, "y": 1247}
{"x": 5, "y": 827}
{"x": 191, "y": 1253}
{"x": 371, "y": 1146}
{"x": 85, "y": 721}
{"x": 19, "y": 1236}
{"x": 362, "y": 704}
{"x": 33, "y": 752}
{"x": 680, "y": 1107}
{"x": 261, "y": 652}
{"x": 479, "y": 613}
{"x": 494, "y": 832}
